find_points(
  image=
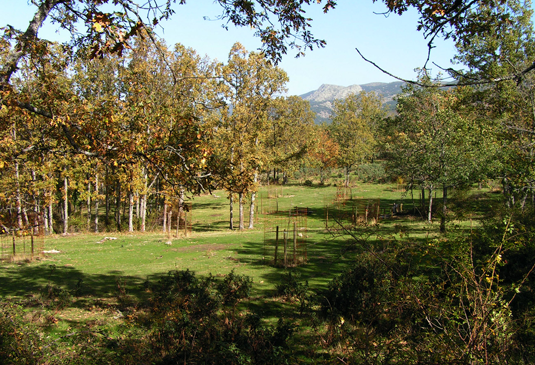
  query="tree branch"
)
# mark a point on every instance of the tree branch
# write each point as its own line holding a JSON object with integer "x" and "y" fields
{"x": 64, "y": 127}
{"x": 23, "y": 44}
{"x": 517, "y": 76}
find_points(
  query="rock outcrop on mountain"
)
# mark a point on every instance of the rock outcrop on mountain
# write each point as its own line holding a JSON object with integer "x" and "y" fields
{"x": 321, "y": 100}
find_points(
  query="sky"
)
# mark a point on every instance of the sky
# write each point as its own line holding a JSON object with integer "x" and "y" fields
{"x": 392, "y": 42}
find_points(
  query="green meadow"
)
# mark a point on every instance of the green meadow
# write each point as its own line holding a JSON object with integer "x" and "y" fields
{"x": 97, "y": 263}
{"x": 105, "y": 283}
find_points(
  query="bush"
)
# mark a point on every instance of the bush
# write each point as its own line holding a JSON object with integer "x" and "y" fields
{"x": 19, "y": 340}
{"x": 291, "y": 289}
{"x": 187, "y": 326}
{"x": 58, "y": 298}
{"x": 234, "y": 288}
{"x": 372, "y": 173}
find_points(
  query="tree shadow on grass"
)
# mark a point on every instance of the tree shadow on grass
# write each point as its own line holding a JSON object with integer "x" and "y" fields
{"x": 33, "y": 278}
{"x": 213, "y": 226}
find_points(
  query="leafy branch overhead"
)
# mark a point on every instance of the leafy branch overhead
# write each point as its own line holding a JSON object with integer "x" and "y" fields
{"x": 467, "y": 23}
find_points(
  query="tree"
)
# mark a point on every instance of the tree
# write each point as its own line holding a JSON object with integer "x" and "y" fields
{"x": 290, "y": 135}
{"x": 111, "y": 27}
{"x": 326, "y": 153}
{"x": 250, "y": 84}
{"x": 504, "y": 51}
{"x": 462, "y": 21}
{"x": 353, "y": 121}
{"x": 436, "y": 142}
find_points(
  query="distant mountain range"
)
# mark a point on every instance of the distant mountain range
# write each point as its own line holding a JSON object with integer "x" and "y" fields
{"x": 321, "y": 100}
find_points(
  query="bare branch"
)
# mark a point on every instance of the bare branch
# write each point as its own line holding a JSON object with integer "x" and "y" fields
{"x": 517, "y": 76}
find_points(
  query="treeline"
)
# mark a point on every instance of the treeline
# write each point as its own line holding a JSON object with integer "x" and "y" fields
{"x": 123, "y": 138}
{"x": 126, "y": 136}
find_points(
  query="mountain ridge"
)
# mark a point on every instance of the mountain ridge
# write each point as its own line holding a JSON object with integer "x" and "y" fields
{"x": 322, "y": 99}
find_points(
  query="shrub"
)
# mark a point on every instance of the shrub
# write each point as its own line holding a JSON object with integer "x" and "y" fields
{"x": 234, "y": 288}
{"x": 291, "y": 289}
{"x": 57, "y": 297}
{"x": 372, "y": 173}
{"x": 187, "y": 326}
{"x": 19, "y": 340}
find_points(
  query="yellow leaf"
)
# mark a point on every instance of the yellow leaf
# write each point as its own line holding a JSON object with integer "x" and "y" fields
{"x": 97, "y": 27}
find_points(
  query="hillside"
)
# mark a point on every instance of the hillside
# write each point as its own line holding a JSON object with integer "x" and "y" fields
{"x": 321, "y": 100}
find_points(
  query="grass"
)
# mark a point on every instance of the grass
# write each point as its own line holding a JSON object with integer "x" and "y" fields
{"x": 103, "y": 273}
{"x": 217, "y": 250}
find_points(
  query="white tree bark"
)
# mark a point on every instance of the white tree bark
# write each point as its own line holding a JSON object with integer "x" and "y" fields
{"x": 65, "y": 205}
{"x": 130, "y": 211}
{"x": 96, "y": 203}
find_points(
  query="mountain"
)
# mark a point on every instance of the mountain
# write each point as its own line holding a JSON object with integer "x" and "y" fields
{"x": 321, "y": 100}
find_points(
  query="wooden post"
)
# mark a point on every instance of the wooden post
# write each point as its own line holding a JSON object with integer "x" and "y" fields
{"x": 285, "y": 248}
{"x": 14, "y": 244}
{"x": 31, "y": 237}
{"x": 295, "y": 243}
{"x": 276, "y": 244}
{"x": 378, "y": 208}
{"x": 326, "y": 217}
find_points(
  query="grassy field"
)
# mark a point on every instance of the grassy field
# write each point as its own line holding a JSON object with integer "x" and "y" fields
{"x": 94, "y": 274}
{"x": 96, "y": 264}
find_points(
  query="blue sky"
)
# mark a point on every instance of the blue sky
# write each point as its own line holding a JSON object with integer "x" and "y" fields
{"x": 393, "y": 42}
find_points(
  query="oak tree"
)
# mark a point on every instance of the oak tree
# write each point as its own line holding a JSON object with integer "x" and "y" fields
{"x": 353, "y": 121}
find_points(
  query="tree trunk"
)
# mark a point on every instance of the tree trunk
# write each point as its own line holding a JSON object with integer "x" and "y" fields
{"x": 180, "y": 209}
{"x": 252, "y": 206}
{"x": 143, "y": 208}
{"x": 19, "y": 197}
{"x": 347, "y": 177}
{"x": 88, "y": 205}
{"x": 444, "y": 209}
{"x": 96, "y": 203}
{"x": 422, "y": 201}
{"x": 36, "y": 204}
{"x": 66, "y": 206}
{"x": 130, "y": 211}
{"x": 138, "y": 205}
{"x": 107, "y": 201}
{"x": 240, "y": 202}
{"x": 45, "y": 216}
{"x": 524, "y": 199}
{"x": 118, "y": 207}
{"x": 50, "y": 217}
{"x": 430, "y": 212}
{"x": 412, "y": 198}
{"x": 144, "y": 200}
{"x": 164, "y": 228}
{"x": 231, "y": 213}
{"x": 251, "y": 210}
